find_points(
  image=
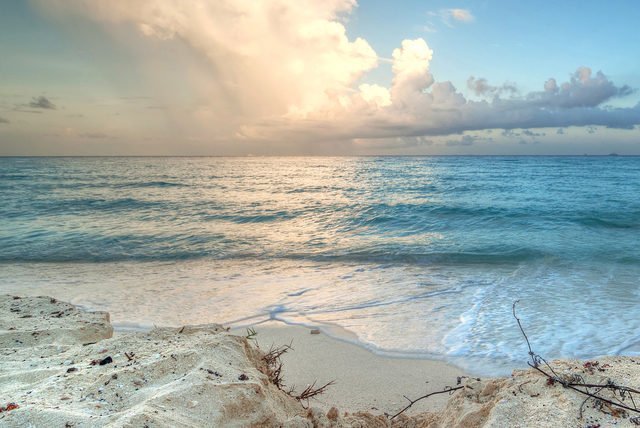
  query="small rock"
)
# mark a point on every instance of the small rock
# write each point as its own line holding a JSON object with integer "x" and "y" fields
{"x": 243, "y": 377}
{"x": 71, "y": 369}
{"x": 107, "y": 360}
{"x": 315, "y": 331}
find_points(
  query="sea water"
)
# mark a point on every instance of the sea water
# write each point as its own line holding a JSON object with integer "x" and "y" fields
{"x": 412, "y": 256}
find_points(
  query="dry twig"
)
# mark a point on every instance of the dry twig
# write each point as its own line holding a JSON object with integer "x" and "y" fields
{"x": 309, "y": 392}
{"x": 273, "y": 361}
{"x": 576, "y": 383}
{"x": 447, "y": 390}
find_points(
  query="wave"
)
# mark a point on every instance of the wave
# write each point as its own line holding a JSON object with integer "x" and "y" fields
{"x": 632, "y": 221}
{"x": 112, "y": 250}
{"x": 150, "y": 184}
{"x": 50, "y": 207}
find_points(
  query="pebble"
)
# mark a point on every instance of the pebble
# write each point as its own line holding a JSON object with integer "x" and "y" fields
{"x": 315, "y": 331}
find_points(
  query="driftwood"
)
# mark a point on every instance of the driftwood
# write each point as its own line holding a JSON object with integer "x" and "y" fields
{"x": 617, "y": 405}
{"x": 446, "y": 390}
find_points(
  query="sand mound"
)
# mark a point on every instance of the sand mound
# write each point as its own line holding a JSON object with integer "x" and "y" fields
{"x": 62, "y": 367}
{"x": 527, "y": 399}
{"x": 36, "y": 321}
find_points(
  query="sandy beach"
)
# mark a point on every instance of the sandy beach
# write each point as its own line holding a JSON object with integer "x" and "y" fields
{"x": 364, "y": 381}
{"x": 62, "y": 366}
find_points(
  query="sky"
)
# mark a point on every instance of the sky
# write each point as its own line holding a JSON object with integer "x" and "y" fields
{"x": 319, "y": 77}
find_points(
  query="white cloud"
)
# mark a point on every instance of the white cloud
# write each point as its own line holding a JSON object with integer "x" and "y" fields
{"x": 268, "y": 58}
{"x": 286, "y": 71}
{"x": 421, "y": 107}
{"x": 376, "y": 94}
{"x": 411, "y": 72}
{"x": 462, "y": 15}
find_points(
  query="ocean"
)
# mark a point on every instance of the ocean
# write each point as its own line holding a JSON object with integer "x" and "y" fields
{"x": 411, "y": 256}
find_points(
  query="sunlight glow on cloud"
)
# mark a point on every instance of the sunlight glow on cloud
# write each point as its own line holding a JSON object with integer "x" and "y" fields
{"x": 272, "y": 57}
{"x": 463, "y": 15}
{"x": 287, "y": 70}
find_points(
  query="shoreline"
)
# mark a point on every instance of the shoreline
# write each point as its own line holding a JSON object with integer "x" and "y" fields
{"x": 63, "y": 366}
{"x": 323, "y": 358}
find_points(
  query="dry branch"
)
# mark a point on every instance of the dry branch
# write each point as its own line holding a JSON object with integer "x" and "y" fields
{"x": 576, "y": 383}
{"x": 273, "y": 361}
{"x": 447, "y": 389}
{"x": 310, "y": 392}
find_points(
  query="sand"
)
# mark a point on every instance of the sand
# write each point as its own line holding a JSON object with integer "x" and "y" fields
{"x": 364, "y": 381}
{"x": 60, "y": 366}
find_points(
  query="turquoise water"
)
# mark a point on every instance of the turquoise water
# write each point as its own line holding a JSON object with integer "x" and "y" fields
{"x": 420, "y": 256}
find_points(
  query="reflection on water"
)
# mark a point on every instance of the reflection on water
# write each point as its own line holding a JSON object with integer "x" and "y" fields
{"x": 412, "y": 255}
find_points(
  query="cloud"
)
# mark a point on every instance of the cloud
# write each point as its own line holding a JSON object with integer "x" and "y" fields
{"x": 375, "y": 94}
{"x": 530, "y": 133}
{"x": 462, "y": 15}
{"x": 41, "y": 102}
{"x": 447, "y": 17}
{"x": 481, "y": 87}
{"x": 465, "y": 140}
{"x": 420, "y": 106}
{"x": 265, "y": 58}
{"x": 582, "y": 90}
{"x": 3, "y": 120}
{"x": 277, "y": 73}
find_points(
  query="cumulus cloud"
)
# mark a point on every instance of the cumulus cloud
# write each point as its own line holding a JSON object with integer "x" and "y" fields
{"x": 582, "y": 90}
{"x": 411, "y": 72}
{"x": 266, "y": 58}
{"x": 42, "y": 102}
{"x": 421, "y": 106}
{"x": 286, "y": 71}
{"x": 481, "y": 87}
